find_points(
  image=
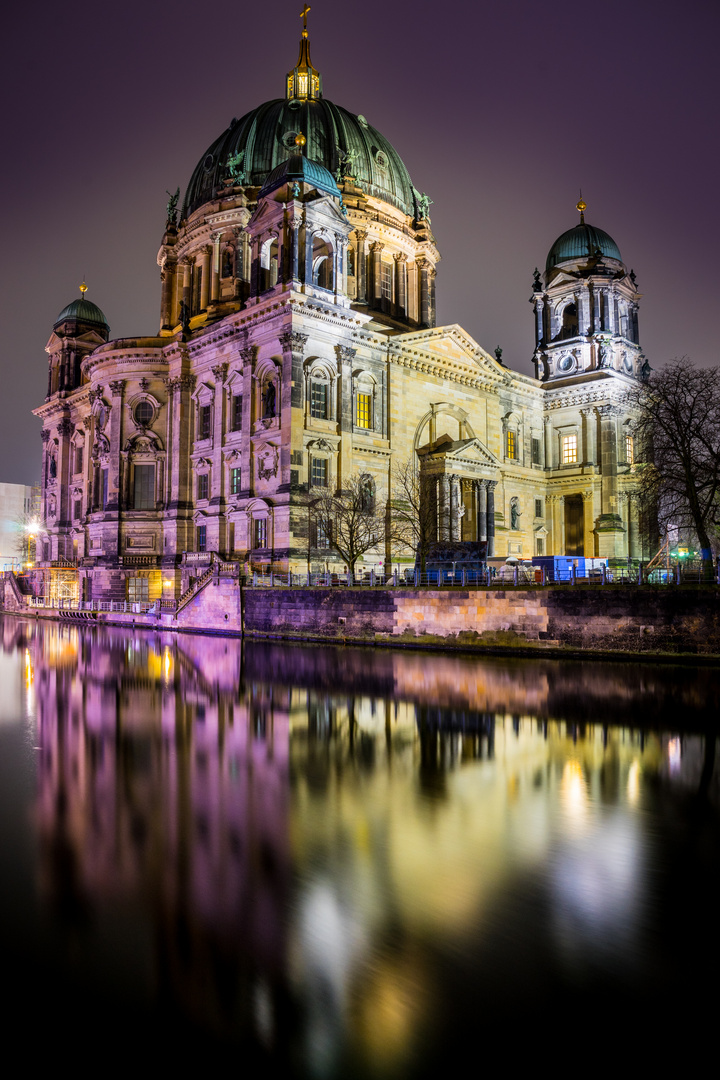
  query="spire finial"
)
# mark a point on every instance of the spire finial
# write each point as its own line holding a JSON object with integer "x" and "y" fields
{"x": 303, "y": 83}
{"x": 581, "y": 205}
{"x": 83, "y": 287}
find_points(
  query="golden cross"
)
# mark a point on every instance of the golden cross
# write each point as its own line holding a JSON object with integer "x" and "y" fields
{"x": 303, "y": 16}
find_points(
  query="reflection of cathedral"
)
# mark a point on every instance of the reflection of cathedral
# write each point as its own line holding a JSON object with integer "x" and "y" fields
{"x": 298, "y": 347}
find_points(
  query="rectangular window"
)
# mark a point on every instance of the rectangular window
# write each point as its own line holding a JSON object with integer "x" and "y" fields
{"x": 104, "y": 488}
{"x": 234, "y": 481}
{"x": 539, "y": 546}
{"x": 77, "y": 509}
{"x": 78, "y": 459}
{"x": 386, "y": 281}
{"x": 629, "y": 450}
{"x": 318, "y": 400}
{"x": 322, "y": 540}
{"x": 568, "y": 450}
{"x": 144, "y": 492}
{"x": 237, "y": 412}
{"x": 512, "y": 445}
{"x": 538, "y": 508}
{"x": 201, "y": 537}
{"x": 205, "y": 422}
{"x": 138, "y": 590}
{"x": 363, "y": 411}
{"x": 203, "y": 486}
{"x": 319, "y": 472}
{"x": 260, "y": 531}
{"x": 536, "y": 451}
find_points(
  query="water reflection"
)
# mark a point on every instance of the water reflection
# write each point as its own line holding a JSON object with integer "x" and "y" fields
{"x": 343, "y": 860}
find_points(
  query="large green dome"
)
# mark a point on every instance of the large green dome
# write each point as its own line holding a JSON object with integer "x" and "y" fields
{"x": 581, "y": 243}
{"x": 82, "y": 310}
{"x": 265, "y": 138}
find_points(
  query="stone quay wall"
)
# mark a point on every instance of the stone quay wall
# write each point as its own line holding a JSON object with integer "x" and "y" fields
{"x": 628, "y": 620}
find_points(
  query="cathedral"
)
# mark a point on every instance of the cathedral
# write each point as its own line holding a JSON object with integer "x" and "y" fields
{"x": 297, "y": 348}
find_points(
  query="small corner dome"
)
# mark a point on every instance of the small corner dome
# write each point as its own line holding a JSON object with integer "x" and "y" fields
{"x": 299, "y": 169}
{"x": 581, "y": 243}
{"x": 84, "y": 311}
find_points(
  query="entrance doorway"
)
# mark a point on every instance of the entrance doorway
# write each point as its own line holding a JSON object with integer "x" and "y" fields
{"x": 574, "y": 531}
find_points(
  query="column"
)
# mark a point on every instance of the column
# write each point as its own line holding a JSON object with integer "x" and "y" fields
{"x": 376, "y": 283}
{"x": 217, "y": 479}
{"x": 205, "y": 276}
{"x": 295, "y": 223}
{"x": 308, "y": 275}
{"x": 539, "y": 306}
{"x": 168, "y": 290}
{"x": 548, "y": 443}
{"x": 400, "y": 285}
{"x": 292, "y": 397}
{"x": 454, "y": 523}
{"x": 361, "y": 266}
{"x": 482, "y": 504}
{"x": 589, "y": 436}
{"x": 557, "y": 503}
{"x": 87, "y": 465}
{"x": 187, "y": 283}
{"x": 248, "y": 354}
{"x": 215, "y": 280}
{"x": 114, "y": 480}
{"x": 588, "y": 524}
{"x": 491, "y": 485}
{"x": 345, "y": 355}
{"x": 64, "y": 513}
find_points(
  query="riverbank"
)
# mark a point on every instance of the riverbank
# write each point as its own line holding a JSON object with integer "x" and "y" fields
{"x": 620, "y": 621}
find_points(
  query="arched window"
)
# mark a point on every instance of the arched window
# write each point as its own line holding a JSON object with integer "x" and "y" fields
{"x": 569, "y": 326}
{"x": 322, "y": 264}
{"x": 269, "y": 264}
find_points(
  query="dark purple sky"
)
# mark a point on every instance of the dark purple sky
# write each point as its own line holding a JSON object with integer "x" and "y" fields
{"x": 501, "y": 112}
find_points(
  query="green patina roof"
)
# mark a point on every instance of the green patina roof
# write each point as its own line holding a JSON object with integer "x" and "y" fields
{"x": 299, "y": 169}
{"x": 265, "y": 138}
{"x": 582, "y": 242}
{"x": 85, "y": 311}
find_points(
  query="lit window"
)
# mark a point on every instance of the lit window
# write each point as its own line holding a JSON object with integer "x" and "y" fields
{"x": 511, "y": 445}
{"x": 568, "y": 455}
{"x": 234, "y": 481}
{"x": 203, "y": 486}
{"x": 629, "y": 450}
{"x": 363, "y": 410}
{"x": 319, "y": 472}
{"x": 318, "y": 399}
{"x": 260, "y": 537}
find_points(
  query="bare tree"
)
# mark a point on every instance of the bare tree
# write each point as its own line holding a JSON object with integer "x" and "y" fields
{"x": 348, "y": 519}
{"x": 412, "y": 511}
{"x": 677, "y": 423}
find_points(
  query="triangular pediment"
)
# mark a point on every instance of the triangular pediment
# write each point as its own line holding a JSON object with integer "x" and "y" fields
{"x": 461, "y": 451}
{"x": 453, "y": 345}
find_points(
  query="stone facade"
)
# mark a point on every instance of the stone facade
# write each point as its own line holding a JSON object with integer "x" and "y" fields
{"x": 298, "y": 348}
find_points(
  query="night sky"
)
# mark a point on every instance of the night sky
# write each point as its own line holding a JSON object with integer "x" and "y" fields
{"x": 501, "y": 112}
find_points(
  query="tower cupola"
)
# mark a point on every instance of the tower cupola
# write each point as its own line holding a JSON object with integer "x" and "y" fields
{"x": 304, "y": 82}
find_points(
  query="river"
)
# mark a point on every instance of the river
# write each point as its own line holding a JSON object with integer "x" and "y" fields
{"x": 350, "y": 862}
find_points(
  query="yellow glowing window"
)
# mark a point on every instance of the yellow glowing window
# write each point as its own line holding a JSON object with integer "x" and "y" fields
{"x": 302, "y": 85}
{"x": 363, "y": 410}
{"x": 629, "y": 449}
{"x": 511, "y": 444}
{"x": 569, "y": 449}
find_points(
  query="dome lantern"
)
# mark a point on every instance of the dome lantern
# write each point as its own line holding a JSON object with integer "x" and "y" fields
{"x": 304, "y": 82}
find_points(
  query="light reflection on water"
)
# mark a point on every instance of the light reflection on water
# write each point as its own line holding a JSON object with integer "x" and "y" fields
{"x": 349, "y": 862}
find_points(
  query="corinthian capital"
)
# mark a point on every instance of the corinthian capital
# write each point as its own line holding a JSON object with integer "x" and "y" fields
{"x": 293, "y": 341}
{"x": 345, "y": 354}
{"x": 116, "y": 387}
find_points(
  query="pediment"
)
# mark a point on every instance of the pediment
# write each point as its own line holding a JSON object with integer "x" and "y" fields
{"x": 462, "y": 451}
{"x": 453, "y": 345}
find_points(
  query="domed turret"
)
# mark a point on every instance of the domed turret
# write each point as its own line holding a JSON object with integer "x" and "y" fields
{"x": 82, "y": 311}
{"x": 586, "y": 306}
{"x": 79, "y": 328}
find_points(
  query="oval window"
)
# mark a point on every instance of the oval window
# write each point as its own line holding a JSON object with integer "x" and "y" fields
{"x": 144, "y": 413}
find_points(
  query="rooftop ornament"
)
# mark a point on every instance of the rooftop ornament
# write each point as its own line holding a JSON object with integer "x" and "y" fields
{"x": 304, "y": 82}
